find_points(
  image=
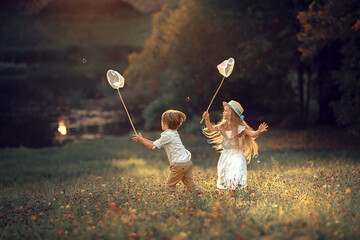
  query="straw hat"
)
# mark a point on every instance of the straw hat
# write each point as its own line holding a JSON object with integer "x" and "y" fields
{"x": 236, "y": 107}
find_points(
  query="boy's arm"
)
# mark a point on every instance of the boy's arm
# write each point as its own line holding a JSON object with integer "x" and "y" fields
{"x": 140, "y": 139}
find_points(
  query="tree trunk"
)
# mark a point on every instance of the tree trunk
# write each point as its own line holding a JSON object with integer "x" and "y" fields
{"x": 301, "y": 89}
{"x": 308, "y": 93}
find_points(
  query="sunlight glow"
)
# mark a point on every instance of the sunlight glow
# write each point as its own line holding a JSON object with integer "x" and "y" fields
{"x": 62, "y": 127}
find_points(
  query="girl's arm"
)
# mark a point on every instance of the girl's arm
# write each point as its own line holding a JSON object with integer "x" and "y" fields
{"x": 262, "y": 128}
{"x": 140, "y": 139}
{"x": 209, "y": 126}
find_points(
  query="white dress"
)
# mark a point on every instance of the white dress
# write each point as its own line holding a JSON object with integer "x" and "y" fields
{"x": 232, "y": 170}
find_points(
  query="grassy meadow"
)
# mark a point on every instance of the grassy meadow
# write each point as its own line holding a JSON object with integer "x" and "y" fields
{"x": 303, "y": 185}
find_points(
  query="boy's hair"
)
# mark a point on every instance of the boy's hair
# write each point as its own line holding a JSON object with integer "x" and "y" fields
{"x": 173, "y": 118}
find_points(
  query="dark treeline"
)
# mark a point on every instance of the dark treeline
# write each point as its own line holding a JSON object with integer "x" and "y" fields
{"x": 297, "y": 62}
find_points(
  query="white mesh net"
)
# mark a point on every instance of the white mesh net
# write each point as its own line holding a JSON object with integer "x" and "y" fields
{"x": 226, "y": 67}
{"x": 115, "y": 79}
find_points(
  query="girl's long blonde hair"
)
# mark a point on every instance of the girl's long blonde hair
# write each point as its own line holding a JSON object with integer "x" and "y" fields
{"x": 249, "y": 146}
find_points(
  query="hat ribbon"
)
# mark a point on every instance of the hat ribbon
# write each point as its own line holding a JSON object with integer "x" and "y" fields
{"x": 236, "y": 110}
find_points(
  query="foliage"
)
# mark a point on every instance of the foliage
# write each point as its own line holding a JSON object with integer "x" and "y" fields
{"x": 189, "y": 39}
{"x": 332, "y": 27}
{"x": 153, "y": 111}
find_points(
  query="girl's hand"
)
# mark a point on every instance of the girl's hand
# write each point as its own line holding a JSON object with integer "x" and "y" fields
{"x": 263, "y": 127}
{"x": 137, "y": 137}
{"x": 205, "y": 115}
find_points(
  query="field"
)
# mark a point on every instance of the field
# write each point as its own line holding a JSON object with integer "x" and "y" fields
{"x": 303, "y": 185}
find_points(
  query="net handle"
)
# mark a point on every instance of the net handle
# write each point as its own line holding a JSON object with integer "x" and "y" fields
{"x": 213, "y": 97}
{"x": 127, "y": 112}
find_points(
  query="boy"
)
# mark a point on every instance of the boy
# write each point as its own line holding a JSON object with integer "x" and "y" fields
{"x": 179, "y": 157}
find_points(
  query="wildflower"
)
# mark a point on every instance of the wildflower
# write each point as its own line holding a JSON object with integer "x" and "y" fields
{"x": 252, "y": 195}
{"x": 281, "y": 210}
{"x": 180, "y": 236}
{"x": 34, "y": 218}
{"x": 67, "y": 206}
{"x": 103, "y": 185}
{"x": 188, "y": 203}
{"x": 134, "y": 236}
{"x": 207, "y": 223}
{"x": 348, "y": 191}
{"x": 82, "y": 190}
{"x": 51, "y": 221}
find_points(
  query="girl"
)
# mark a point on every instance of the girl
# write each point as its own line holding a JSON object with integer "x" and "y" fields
{"x": 179, "y": 157}
{"x": 236, "y": 140}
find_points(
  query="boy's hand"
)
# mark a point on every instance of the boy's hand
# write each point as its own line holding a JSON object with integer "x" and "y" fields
{"x": 263, "y": 127}
{"x": 205, "y": 115}
{"x": 137, "y": 137}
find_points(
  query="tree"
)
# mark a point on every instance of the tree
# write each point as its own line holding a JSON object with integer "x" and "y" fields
{"x": 330, "y": 37}
{"x": 191, "y": 37}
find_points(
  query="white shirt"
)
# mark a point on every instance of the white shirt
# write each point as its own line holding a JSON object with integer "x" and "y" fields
{"x": 175, "y": 150}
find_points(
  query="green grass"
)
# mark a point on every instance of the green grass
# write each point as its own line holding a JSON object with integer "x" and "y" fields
{"x": 113, "y": 188}
{"x": 24, "y": 165}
